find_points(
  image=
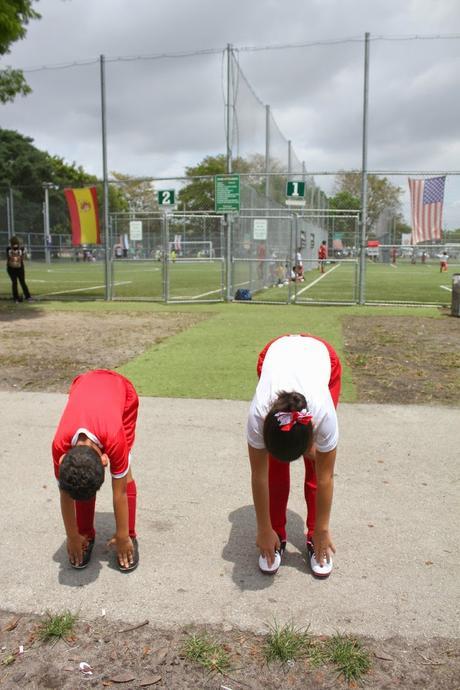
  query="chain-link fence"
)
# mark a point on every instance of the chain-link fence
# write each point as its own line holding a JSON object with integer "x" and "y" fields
{"x": 267, "y": 248}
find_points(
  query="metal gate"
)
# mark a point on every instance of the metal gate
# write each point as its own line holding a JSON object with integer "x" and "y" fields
{"x": 275, "y": 257}
{"x": 177, "y": 257}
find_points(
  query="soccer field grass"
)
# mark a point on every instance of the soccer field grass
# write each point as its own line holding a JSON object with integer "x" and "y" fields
{"x": 422, "y": 284}
{"x": 131, "y": 280}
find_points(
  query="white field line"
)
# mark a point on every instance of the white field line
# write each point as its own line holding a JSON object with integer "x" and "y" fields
{"x": 307, "y": 287}
{"x": 94, "y": 287}
{"x": 129, "y": 269}
{"x": 65, "y": 282}
{"x": 393, "y": 266}
{"x": 444, "y": 287}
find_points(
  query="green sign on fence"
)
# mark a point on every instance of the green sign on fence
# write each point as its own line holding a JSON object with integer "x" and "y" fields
{"x": 295, "y": 189}
{"x": 166, "y": 197}
{"x": 227, "y": 193}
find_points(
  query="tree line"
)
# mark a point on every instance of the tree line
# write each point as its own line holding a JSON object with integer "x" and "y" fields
{"x": 24, "y": 169}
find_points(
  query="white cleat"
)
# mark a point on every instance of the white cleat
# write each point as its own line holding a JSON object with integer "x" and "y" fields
{"x": 273, "y": 568}
{"x": 320, "y": 571}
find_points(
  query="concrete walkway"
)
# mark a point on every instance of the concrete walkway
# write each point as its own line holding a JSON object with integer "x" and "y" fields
{"x": 395, "y": 524}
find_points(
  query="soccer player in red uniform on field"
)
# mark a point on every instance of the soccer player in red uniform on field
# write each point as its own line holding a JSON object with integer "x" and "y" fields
{"x": 322, "y": 255}
{"x": 443, "y": 263}
{"x": 97, "y": 430}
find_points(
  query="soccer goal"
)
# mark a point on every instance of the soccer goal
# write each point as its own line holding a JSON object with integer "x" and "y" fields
{"x": 192, "y": 250}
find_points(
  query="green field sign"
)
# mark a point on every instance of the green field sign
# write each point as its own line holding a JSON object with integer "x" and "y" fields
{"x": 166, "y": 197}
{"x": 227, "y": 193}
{"x": 295, "y": 189}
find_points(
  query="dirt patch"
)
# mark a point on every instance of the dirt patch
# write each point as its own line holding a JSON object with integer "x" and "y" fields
{"x": 44, "y": 350}
{"x": 404, "y": 359}
{"x": 121, "y": 655}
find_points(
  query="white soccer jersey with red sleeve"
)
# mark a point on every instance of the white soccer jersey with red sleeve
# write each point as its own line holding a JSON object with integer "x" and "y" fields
{"x": 302, "y": 364}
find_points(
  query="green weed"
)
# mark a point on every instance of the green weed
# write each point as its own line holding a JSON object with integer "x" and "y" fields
{"x": 286, "y": 642}
{"x": 57, "y": 626}
{"x": 348, "y": 655}
{"x": 208, "y": 653}
{"x": 8, "y": 660}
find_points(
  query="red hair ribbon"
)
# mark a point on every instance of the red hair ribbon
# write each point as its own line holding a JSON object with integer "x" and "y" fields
{"x": 286, "y": 420}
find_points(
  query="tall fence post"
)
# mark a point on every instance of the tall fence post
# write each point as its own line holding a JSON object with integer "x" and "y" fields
{"x": 8, "y": 216}
{"x": 46, "y": 221}
{"x": 165, "y": 224}
{"x": 229, "y": 109}
{"x": 11, "y": 226}
{"x": 105, "y": 223}
{"x": 227, "y": 216}
{"x": 363, "y": 233}
{"x": 228, "y": 252}
{"x": 267, "y": 151}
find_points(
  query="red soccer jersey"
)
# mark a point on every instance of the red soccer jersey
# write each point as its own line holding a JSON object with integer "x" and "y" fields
{"x": 102, "y": 405}
{"x": 322, "y": 252}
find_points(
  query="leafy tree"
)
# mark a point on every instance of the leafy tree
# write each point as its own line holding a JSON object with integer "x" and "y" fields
{"x": 138, "y": 195}
{"x": 382, "y": 195}
{"x": 14, "y": 17}
{"x": 400, "y": 228}
{"x": 24, "y": 169}
{"x": 198, "y": 194}
{"x": 277, "y": 183}
{"x": 345, "y": 201}
{"x": 453, "y": 235}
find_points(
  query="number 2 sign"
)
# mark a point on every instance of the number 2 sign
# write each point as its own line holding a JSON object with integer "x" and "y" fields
{"x": 166, "y": 197}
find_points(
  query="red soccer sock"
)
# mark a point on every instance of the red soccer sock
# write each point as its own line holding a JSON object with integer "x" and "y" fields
{"x": 85, "y": 517}
{"x": 131, "y": 491}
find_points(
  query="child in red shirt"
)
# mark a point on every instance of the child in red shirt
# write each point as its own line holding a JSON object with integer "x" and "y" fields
{"x": 322, "y": 255}
{"x": 96, "y": 430}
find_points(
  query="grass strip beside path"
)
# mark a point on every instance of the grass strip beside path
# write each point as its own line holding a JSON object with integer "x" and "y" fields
{"x": 216, "y": 358}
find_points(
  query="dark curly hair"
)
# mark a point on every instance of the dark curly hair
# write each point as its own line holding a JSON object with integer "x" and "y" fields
{"x": 81, "y": 473}
{"x": 287, "y": 445}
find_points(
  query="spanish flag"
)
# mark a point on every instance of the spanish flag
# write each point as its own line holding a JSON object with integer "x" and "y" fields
{"x": 84, "y": 215}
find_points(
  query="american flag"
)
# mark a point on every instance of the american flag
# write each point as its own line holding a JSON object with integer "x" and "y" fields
{"x": 427, "y": 197}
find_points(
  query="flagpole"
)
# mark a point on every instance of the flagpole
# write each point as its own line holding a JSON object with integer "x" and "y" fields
{"x": 362, "y": 255}
{"x": 105, "y": 221}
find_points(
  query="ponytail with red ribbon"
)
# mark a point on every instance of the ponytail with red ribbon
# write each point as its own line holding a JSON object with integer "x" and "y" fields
{"x": 287, "y": 420}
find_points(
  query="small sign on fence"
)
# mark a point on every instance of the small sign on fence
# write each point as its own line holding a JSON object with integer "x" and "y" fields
{"x": 260, "y": 229}
{"x": 295, "y": 192}
{"x": 135, "y": 230}
{"x": 166, "y": 197}
{"x": 295, "y": 189}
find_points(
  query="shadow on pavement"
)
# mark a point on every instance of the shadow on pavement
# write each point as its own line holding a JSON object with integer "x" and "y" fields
{"x": 242, "y": 551}
{"x": 105, "y": 528}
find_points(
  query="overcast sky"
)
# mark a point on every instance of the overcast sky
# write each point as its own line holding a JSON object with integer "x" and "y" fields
{"x": 166, "y": 113}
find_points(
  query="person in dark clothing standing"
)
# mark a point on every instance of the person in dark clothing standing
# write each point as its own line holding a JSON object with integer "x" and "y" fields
{"x": 15, "y": 267}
